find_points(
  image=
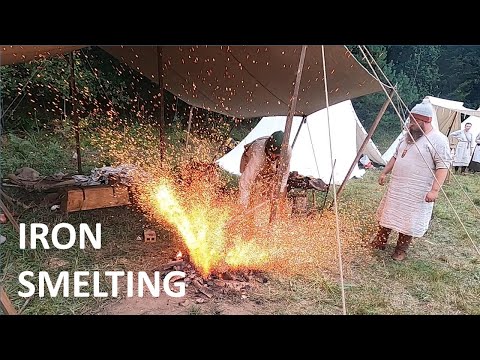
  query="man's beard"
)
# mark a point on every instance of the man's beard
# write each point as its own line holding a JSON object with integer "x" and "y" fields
{"x": 414, "y": 134}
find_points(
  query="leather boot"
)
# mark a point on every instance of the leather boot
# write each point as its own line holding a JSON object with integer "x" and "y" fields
{"x": 381, "y": 238}
{"x": 403, "y": 243}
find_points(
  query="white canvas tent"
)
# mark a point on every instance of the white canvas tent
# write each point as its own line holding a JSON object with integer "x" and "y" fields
{"x": 345, "y": 129}
{"x": 447, "y": 118}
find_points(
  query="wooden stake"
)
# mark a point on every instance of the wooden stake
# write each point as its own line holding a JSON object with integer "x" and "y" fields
{"x": 73, "y": 99}
{"x": 189, "y": 125}
{"x": 6, "y": 304}
{"x": 162, "y": 102}
{"x": 286, "y": 138}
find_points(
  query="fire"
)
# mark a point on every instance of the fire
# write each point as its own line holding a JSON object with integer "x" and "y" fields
{"x": 202, "y": 228}
{"x": 191, "y": 199}
{"x": 203, "y": 239}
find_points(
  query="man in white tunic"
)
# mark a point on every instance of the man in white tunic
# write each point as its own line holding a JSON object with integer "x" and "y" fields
{"x": 475, "y": 162}
{"x": 258, "y": 166}
{"x": 408, "y": 202}
{"x": 463, "y": 150}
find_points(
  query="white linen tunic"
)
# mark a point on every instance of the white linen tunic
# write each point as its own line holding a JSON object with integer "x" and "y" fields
{"x": 463, "y": 150}
{"x": 403, "y": 207}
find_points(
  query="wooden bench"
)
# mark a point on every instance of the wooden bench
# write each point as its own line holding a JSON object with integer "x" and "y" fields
{"x": 95, "y": 197}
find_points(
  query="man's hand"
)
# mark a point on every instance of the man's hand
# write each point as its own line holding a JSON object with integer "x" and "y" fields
{"x": 382, "y": 178}
{"x": 431, "y": 196}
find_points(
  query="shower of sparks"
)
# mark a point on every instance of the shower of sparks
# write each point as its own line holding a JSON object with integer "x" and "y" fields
{"x": 184, "y": 193}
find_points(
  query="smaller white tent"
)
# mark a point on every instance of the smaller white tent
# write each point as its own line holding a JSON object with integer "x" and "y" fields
{"x": 312, "y": 145}
{"x": 447, "y": 118}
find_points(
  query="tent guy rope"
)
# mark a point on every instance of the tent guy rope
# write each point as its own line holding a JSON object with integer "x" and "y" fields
{"x": 337, "y": 225}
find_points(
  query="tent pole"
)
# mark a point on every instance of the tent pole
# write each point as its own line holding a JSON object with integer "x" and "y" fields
{"x": 73, "y": 97}
{"x": 286, "y": 138}
{"x": 162, "y": 102}
{"x": 5, "y": 303}
{"x": 189, "y": 125}
{"x": 365, "y": 142}
{"x": 304, "y": 120}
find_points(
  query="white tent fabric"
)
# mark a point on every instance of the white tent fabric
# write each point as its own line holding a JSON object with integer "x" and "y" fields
{"x": 241, "y": 81}
{"x": 343, "y": 122}
{"x": 447, "y": 119}
{"x": 371, "y": 149}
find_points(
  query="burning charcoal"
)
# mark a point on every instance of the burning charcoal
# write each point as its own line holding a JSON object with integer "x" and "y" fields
{"x": 219, "y": 283}
{"x": 262, "y": 279}
{"x": 243, "y": 277}
{"x": 175, "y": 278}
{"x": 244, "y": 297}
{"x": 172, "y": 264}
{"x": 205, "y": 292}
{"x": 227, "y": 276}
{"x": 210, "y": 283}
{"x": 199, "y": 300}
{"x": 197, "y": 284}
{"x": 230, "y": 284}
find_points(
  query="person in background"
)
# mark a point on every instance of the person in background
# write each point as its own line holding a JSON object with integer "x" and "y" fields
{"x": 474, "y": 165}
{"x": 258, "y": 166}
{"x": 365, "y": 162}
{"x": 407, "y": 205}
{"x": 463, "y": 150}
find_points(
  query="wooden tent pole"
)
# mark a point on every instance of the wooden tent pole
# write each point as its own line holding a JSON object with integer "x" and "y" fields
{"x": 73, "y": 99}
{"x": 304, "y": 120}
{"x": 161, "y": 103}
{"x": 288, "y": 128}
{"x": 365, "y": 142}
{"x": 189, "y": 125}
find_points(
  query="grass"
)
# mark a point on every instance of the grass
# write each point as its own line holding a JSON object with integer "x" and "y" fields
{"x": 441, "y": 274}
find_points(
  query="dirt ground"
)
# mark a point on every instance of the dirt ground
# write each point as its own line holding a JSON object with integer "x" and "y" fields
{"x": 191, "y": 304}
{"x": 166, "y": 305}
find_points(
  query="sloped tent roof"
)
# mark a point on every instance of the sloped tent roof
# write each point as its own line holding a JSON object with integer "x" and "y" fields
{"x": 344, "y": 125}
{"x": 240, "y": 81}
{"x": 447, "y": 119}
{"x": 252, "y": 81}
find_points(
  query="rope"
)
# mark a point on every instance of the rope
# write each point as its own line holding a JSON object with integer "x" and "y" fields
{"x": 334, "y": 190}
{"x": 415, "y": 143}
{"x": 454, "y": 176}
{"x": 313, "y": 149}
